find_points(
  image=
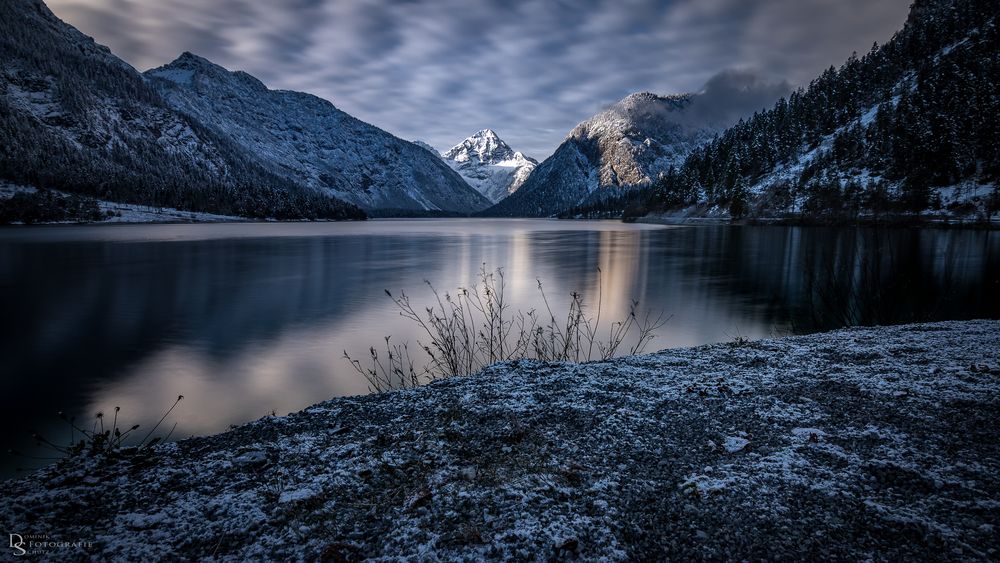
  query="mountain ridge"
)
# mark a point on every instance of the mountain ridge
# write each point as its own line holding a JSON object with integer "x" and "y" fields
{"x": 311, "y": 141}
{"x": 627, "y": 144}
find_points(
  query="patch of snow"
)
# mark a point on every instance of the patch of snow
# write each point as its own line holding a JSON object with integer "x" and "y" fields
{"x": 177, "y": 75}
{"x": 297, "y": 495}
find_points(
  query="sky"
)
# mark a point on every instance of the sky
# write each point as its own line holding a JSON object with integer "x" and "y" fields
{"x": 440, "y": 70}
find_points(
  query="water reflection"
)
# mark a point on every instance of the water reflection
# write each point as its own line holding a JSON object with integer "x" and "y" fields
{"x": 246, "y": 319}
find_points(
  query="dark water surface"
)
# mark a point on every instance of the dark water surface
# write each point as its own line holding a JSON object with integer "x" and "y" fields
{"x": 245, "y": 319}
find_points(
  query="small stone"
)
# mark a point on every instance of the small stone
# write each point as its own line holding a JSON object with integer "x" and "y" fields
{"x": 734, "y": 444}
{"x": 809, "y": 434}
{"x": 571, "y": 545}
{"x": 295, "y": 496}
{"x": 418, "y": 500}
{"x": 136, "y": 521}
{"x": 255, "y": 457}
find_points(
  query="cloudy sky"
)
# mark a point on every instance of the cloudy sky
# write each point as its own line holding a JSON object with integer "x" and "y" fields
{"x": 439, "y": 70}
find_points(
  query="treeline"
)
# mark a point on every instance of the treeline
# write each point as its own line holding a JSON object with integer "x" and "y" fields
{"x": 45, "y": 206}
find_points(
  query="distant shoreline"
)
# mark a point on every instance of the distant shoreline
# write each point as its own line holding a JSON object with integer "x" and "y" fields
{"x": 178, "y": 217}
{"x": 804, "y": 221}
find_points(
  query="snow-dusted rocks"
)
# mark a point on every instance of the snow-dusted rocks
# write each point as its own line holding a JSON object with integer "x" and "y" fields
{"x": 307, "y": 139}
{"x": 489, "y": 165}
{"x": 600, "y": 461}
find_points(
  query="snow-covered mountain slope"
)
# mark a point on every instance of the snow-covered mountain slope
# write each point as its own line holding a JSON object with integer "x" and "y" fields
{"x": 76, "y": 118}
{"x": 908, "y": 129}
{"x": 489, "y": 165}
{"x": 629, "y": 144}
{"x": 635, "y": 141}
{"x": 308, "y": 140}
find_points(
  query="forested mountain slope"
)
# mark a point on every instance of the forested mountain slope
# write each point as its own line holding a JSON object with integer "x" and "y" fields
{"x": 627, "y": 144}
{"x": 76, "y": 118}
{"x": 911, "y": 126}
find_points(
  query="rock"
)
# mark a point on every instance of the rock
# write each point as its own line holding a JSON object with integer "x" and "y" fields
{"x": 810, "y": 434}
{"x": 422, "y": 498}
{"x": 136, "y": 521}
{"x": 571, "y": 545}
{"x": 255, "y": 457}
{"x": 734, "y": 444}
{"x": 299, "y": 495}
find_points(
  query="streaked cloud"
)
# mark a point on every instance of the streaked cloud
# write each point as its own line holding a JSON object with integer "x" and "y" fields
{"x": 530, "y": 69}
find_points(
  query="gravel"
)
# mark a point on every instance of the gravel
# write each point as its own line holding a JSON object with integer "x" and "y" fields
{"x": 865, "y": 443}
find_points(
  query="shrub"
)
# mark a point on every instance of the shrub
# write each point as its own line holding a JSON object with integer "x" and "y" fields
{"x": 475, "y": 328}
{"x": 100, "y": 440}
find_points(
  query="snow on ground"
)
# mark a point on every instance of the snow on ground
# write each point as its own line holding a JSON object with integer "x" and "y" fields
{"x": 860, "y": 444}
{"x": 8, "y": 190}
{"x": 130, "y": 212}
{"x": 133, "y": 213}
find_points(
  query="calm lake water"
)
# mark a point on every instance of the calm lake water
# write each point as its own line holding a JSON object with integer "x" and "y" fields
{"x": 245, "y": 319}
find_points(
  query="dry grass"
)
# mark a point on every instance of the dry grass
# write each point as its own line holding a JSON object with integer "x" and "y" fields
{"x": 476, "y": 327}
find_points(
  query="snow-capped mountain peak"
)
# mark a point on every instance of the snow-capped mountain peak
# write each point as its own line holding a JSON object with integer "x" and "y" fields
{"x": 489, "y": 165}
{"x": 485, "y": 147}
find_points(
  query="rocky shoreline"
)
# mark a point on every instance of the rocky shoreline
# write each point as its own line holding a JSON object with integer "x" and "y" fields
{"x": 865, "y": 443}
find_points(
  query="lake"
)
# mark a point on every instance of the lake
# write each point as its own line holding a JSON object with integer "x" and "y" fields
{"x": 245, "y": 319}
